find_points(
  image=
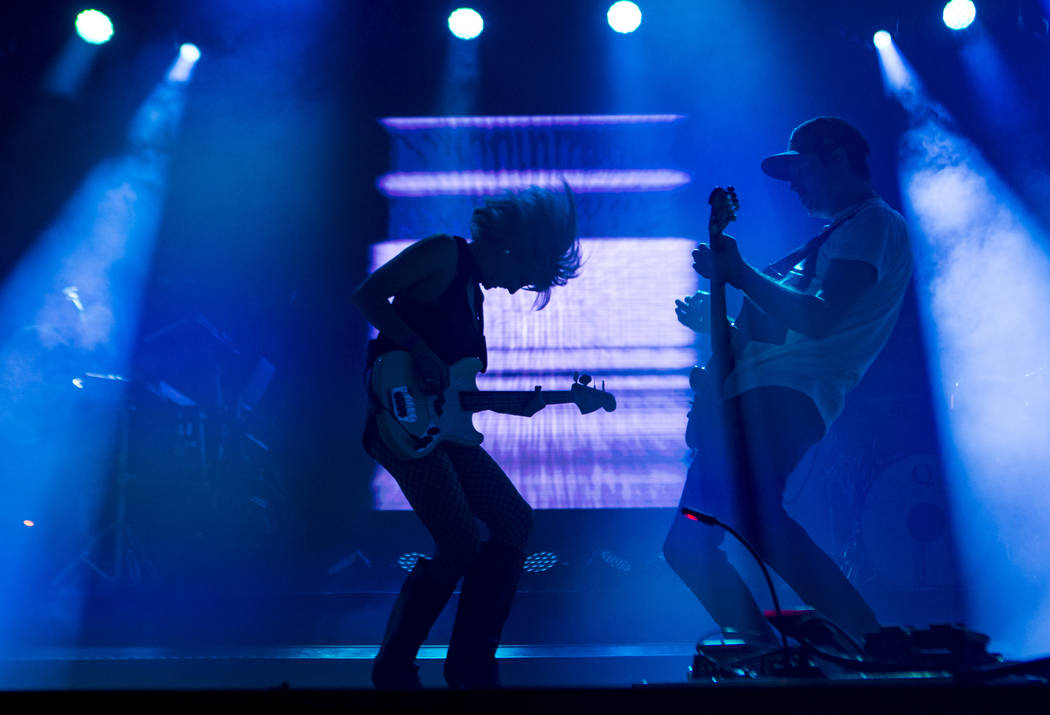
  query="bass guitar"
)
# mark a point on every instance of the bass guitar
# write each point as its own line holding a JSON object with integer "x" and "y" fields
{"x": 412, "y": 422}
{"x": 706, "y": 382}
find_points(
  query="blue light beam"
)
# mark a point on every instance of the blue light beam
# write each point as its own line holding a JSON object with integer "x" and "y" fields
{"x": 181, "y": 70}
{"x": 982, "y": 273}
{"x": 76, "y": 300}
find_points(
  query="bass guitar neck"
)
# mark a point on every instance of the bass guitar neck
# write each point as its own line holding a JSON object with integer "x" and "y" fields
{"x": 724, "y": 205}
{"x": 707, "y": 381}
{"x": 413, "y": 422}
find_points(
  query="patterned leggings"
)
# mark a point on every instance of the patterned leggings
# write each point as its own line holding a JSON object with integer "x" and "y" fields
{"x": 451, "y": 489}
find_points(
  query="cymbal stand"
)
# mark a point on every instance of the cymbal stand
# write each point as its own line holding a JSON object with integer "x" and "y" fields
{"x": 128, "y": 563}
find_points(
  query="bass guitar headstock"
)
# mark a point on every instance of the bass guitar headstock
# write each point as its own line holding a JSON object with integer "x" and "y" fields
{"x": 724, "y": 208}
{"x": 589, "y": 399}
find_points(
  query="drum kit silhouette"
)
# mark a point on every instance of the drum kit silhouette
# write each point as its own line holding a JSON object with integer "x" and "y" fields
{"x": 194, "y": 487}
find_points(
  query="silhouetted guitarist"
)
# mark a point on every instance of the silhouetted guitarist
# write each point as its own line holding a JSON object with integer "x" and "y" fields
{"x": 811, "y": 326}
{"x": 523, "y": 240}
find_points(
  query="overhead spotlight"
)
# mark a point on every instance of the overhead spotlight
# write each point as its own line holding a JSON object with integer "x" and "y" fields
{"x": 94, "y": 27}
{"x": 882, "y": 39}
{"x": 959, "y": 14}
{"x": 465, "y": 23}
{"x": 541, "y": 561}
{"x": 29, "y": 522}
{"x": 190, "y": 52}
{"x": 624, "y": 16}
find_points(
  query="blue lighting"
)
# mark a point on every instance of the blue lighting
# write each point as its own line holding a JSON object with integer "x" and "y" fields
{"x": 408, "y": 561}
{"x": 541, "y": 561}
{"x": 94, "y": 27}
{"x": 184, "y": 63}
{"x": 617, "y": 562}
{"x": 624, "y": 16}
{"x": 465, "y": 23}
{"x": 482, "y": 183}
{"x": 959, "y": 14}
{"x": 882, "y": 39}
{"x": 532, "y": 120}
{"x": 190, "y": 52}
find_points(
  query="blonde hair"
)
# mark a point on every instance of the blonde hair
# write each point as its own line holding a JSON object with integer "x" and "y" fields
{"x": 538, "y": 227}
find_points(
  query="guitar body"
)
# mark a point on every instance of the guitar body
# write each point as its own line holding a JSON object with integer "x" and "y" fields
{"x": 704, "y": 412}
{"x": 411, "y": 422}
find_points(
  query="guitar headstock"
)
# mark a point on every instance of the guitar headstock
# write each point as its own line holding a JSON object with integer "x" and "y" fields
{"x": 589, "y": 399}
{"x": 724, "y": 207}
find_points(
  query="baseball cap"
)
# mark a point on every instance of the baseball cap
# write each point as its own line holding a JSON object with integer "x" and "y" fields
{"x": 818, "y": 135}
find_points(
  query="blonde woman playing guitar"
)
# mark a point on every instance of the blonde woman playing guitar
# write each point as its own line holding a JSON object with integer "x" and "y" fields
{"x": 526, "y": 240}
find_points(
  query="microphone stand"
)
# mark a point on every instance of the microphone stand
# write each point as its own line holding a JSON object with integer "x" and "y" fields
{"x": 712, "y": 521}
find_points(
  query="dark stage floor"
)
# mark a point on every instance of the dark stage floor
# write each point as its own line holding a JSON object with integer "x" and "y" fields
{"x": 539, "y": 679}
{"x": 329, "y": 667}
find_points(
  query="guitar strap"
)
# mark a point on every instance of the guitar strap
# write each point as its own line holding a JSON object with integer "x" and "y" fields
{"x": 752, "y": 320}
{"x": 807, "y": 254}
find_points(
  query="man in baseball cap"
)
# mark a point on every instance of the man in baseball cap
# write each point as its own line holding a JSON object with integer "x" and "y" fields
{"x": 826, "y": 163}
{"x": 826, "y": 311}
{"x": 821, "y": 136}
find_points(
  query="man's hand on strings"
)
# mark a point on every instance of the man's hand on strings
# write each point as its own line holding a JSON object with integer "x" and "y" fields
{"x": 694, "y": 312}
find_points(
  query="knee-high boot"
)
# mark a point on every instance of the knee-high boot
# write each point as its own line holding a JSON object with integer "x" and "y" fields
{"x": 484, "y": 604}
{"x": 420, "y": 602}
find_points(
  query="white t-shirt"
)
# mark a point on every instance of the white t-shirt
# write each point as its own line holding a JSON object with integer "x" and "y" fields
{"x": 827, "y": 369}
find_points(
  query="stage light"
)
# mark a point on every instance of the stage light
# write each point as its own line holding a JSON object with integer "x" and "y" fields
{"x": 624, "y": 16}
{"x": 541, "y": 561}
{"x": 184, "y": 63}
{"x": 484, "y": 183}
{"x": 29, "y": 522}
{"x": 616, "y": 562}
{"x": 408, "y": 561}
{"x": 882, "y": 39}
{"x": 959, "y": 14}
{"x": 513, "y": 121}
{"x": 189, "y": 52}
{"x": 94, "y": 27}
{"x": 465, "y": 23}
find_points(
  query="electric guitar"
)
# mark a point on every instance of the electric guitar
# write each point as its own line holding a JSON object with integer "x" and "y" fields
{"x": 412, "y": 422}
{"x": 706, "y": 381}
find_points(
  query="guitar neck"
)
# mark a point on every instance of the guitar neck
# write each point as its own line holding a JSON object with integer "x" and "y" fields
{"x": 721, "y": 340}
{"x": 724, "y": 205}
{"x": 499, "y": 401}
